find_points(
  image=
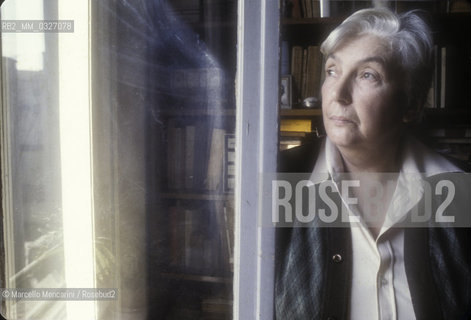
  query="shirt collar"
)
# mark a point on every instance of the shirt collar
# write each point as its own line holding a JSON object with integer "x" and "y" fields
{"x": 418, "y": 160}
{"x": 323, "y": 169}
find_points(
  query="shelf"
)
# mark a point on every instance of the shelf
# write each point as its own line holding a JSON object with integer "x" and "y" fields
{"x": 197, "y": 196}
{"x": 300, "y": 113}
{"x": 184, "y": 112}
{"x": 197, "y": 278}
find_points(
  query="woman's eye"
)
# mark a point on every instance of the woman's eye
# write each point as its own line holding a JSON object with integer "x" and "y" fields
{"x": 330, "y": 72}
{"x": 369, "y": 76}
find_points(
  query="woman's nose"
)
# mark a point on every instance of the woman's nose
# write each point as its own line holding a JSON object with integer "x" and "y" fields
{"x": 343, "y": 90}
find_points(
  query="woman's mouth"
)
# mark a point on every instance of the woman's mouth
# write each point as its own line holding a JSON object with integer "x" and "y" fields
{"x": 340, "y": 120}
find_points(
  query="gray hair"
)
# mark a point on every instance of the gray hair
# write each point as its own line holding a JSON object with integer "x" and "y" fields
{"x": 411, "y": 47}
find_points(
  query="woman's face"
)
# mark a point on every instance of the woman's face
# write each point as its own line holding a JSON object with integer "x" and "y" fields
{"x": 358, "y": 95}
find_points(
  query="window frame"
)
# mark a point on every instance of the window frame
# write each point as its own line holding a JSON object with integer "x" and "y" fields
{"x": 257, "y": 86}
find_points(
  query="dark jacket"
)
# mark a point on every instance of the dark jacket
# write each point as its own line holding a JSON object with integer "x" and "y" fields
{"x": 314, "y": 265}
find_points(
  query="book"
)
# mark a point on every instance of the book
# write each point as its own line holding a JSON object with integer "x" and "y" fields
{"x": 304, "y": 75}
{"x": 313, "y": 72}
{"x": 215, "y": 163}
{"x": 284, "y": 65}
{"x": 224, "y": 214}
{"x": 229, "y": 216}
{"x": 430, "y": 101}
{"x": 188, "y": 151}
{"x": 296, "y": 11}
{"x": 189, "y": 242}
{"x": 201, "y": 152}
{"x": 296, "y": 71}
{"x": 229, "y": 162}
{"x": 460, "y": 6}
{"x": 175, "y": 155}
{"x": 191, "y": 249}
{"x": 433, "y": 96}
{"x": 176, "y": 221}
{"x": 179, "y": 159}
{"x": 308, "y": 9}
{"x": 296, "y": 125}
{"x": 303, "y": 8}
{"x": 316, "y": 8}
{"x": 443, "y": 77}
{"x": 189, "y": 156}
{"x": 306, "y": 71}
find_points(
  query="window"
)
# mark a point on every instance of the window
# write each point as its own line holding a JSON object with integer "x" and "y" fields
{"x": 129, "y": 158}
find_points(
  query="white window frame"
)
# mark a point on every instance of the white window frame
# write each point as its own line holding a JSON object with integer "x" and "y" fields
{"x": 257, "y": 127}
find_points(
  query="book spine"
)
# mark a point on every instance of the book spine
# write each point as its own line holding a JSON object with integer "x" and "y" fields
{"x": 304, "y": 76}
{"x": 171, "y": 143}
{"x": 313, "y": 73}
{"x": 179, "y": 158}
{"x": 296, "y": 70}
{"x": 214, "y": 173}
{"x": 296, "y": 125}
{"x": 308, "y": 8}
{"x": 443, "y": 77}
{"x": 296, "y": 10}
{"x": 284, "y": 67}
{"x": 316, "y": 9}
{"x": 303, "y": 8}
{"x": 189, "y": 156}
{"x": 229, "y": 162}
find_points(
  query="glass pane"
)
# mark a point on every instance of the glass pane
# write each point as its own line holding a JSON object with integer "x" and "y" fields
{"x": 140, "y": 110}
{"x": 31, "y": 179}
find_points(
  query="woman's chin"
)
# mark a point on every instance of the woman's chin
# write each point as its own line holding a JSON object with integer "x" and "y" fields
{"x": 342, "y": 139}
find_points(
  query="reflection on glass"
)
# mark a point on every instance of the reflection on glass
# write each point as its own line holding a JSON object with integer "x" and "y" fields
{"x": 118, "y": 149}
{"x": 31, "y": 181}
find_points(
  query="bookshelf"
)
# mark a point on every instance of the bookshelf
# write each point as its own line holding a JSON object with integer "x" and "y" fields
{"x": 446, "y": 123}
{"x": 192, "y": 242}
{"x": 191, "y": 170}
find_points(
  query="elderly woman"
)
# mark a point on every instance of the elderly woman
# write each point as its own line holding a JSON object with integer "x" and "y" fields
{"x": 378, "y": 70}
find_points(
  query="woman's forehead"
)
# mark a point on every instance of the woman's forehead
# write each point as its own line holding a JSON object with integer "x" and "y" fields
{"x": 367, "y": 46}
{"x": 368, "y": 41}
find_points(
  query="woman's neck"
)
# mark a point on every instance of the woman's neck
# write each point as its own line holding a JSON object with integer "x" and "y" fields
{"x": 368, "y": 167}
{"x": 378, "y": 159}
